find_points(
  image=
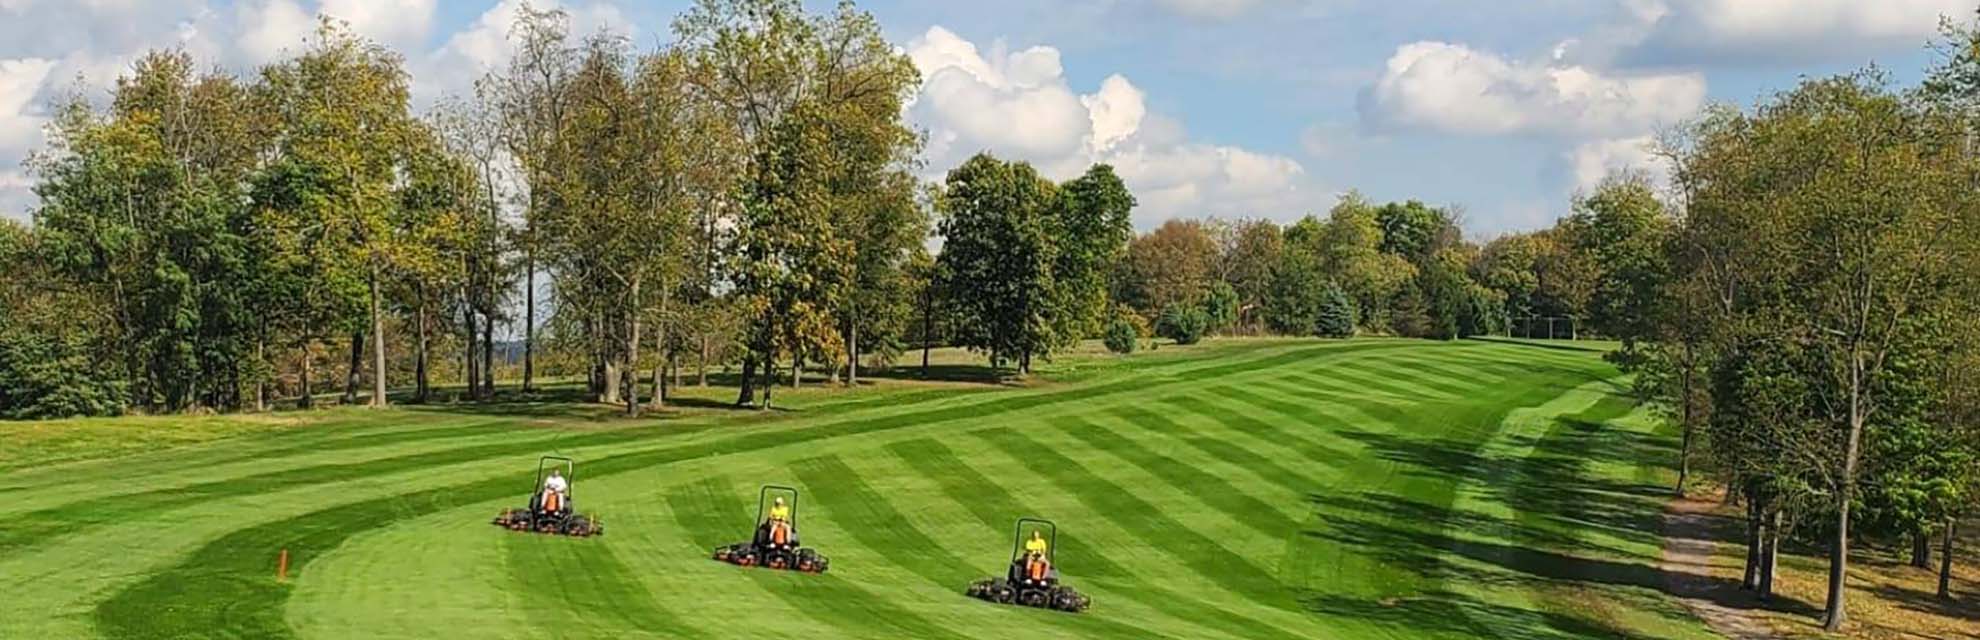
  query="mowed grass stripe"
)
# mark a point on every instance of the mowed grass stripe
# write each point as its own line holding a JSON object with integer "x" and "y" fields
{"x": 1205, "y": 487}
{"x": 226, "y": 458}
{"x": 520, "y": 427}
{"x": 20, "y": 532}
{"x": 217, "y": 576}
{"x": 1221, "y": 449}
{"x": 1228, "y": 570}
{"x": 1409, "y": 482}
{"x": 710, "y": 507}
{"x": 876, "y": 524}
{"x": 996, "y": 509}
{"x": 1295, "y": 440}
{"x": 23, "y": 531}
{"x": 573, "y": 588}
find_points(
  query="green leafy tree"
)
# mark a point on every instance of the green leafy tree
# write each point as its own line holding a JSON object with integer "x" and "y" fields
{"x": 997, "y": 258}
{"x": 1621, "y": 229}
{"x": 1834, "y": 269}
{"x": 1220, "y": 305}
{"x": 145, "y": 205}
{"x": 1094, "y": 225}
{"x": 342, "y": 110}
{"x": 815, "y": 103}
{"x": 1250, "y": 253}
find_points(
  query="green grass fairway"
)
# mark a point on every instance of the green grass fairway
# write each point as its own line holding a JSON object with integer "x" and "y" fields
{"x": 1240, "y": 489}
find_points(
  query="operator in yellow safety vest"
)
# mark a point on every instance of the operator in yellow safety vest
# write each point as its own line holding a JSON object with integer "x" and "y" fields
{"x": 780, "y": 512}
{"x": 1036, "y": 546}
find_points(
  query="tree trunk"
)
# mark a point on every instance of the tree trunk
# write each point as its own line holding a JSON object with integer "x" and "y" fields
{"x": 769, "y": 379}
{"x": 488, "y": 357}
{"x": 608, "y": 381}
{"x": 1684, "y": 400}
{"x": 660, "y": 379}
{"x": 529, "y": 320}
{"x": 701, "y": 365}
{"x": 377, "y": 345}
{"x": 304, "y": 401}
{"x": 632, "y": 354}
{"x": 927, "y": 326}
{"x": 1770, "y": 561}
{"x": 1839, "y": 549}
{"x": 1945, "y": 563}
{"x": 797, "y": 370}
{"x": 422, "y": 392}
{"x": 261, "y": 385}
{"x": 1921, "y": 550}
{"x": 1750, "y": 579}
{"x": 747, "y": 396}
{"x": 852, "y": 356}
{"x": 470, "y": 365}
{"x": 356, "y": 367}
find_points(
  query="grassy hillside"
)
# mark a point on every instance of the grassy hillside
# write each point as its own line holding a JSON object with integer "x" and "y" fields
{"x": 1244, "y": 489}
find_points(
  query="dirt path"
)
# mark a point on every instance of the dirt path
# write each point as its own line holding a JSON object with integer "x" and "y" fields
{"x": 1688, "y": 526}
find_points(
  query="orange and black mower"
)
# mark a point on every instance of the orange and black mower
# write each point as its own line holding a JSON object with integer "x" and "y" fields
{"x": 775, "y": 545}
{"x": 551, "y": 512}
{"x": 1033, "y": 577}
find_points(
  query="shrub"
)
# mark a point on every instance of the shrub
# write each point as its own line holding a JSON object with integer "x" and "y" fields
{"x": 1123, "y": 333}
{"x": 42, "y": 377}
{"x": 1336, "y": 317}
{"x": 1184, "y": 324}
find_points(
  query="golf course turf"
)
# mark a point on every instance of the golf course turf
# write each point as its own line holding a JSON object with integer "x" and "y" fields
{"x": 1272, "y": 489}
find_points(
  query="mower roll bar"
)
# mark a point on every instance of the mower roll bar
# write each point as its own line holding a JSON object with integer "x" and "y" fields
{"x": 570, "y": 470}
{"x": 1052, "y": 544}
{"x": 763, "y": 501}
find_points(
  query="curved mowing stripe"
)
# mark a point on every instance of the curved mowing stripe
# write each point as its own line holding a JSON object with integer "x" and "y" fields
{"x": 1410, "y": 482}
{"x": 994, "y": 508}
{"x": 1207, "y": 488}
{"x": 1233, "y": 572}
{"x": 705, "y": 509}
{"x": 1234, "y": 455}
{"x": 214, "y": 459}
{"x": 562, "y": 603}
{"x": 1290, "y": 439}
{"x": 204, "y": 594}
{"x": 35, "y": 528}
{"x": 882, "y": 527}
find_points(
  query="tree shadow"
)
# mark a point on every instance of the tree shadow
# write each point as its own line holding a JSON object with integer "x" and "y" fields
{"x": 1454, "y": 614}
{"x": 1537, "y": 344}
{"x": 1928, "y": 602}
{"x": 970, "y": 373}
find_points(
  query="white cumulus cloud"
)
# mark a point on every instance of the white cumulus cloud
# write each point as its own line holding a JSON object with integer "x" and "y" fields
{"x": 1019, "y": 105}
{"x": 1452, "y": 88}
{"x": 1592, "y": 161}
{"x": 1739, "y": 32}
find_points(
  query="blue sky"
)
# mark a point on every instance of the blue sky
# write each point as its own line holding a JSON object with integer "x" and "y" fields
{"x": 1233, "y": 108}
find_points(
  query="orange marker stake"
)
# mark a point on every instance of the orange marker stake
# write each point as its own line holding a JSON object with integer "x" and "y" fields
{"x": 282, "y": 568}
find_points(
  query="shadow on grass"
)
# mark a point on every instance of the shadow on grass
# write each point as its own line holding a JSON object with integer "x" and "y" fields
{"x": 1567, "y": 526}
{"x": 1537, "y": 343}
{"x": 1452, "y": 614}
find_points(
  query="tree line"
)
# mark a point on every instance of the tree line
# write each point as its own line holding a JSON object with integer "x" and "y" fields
{"x": 745, "y": 198}
{"x": 1808, "y": 302}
